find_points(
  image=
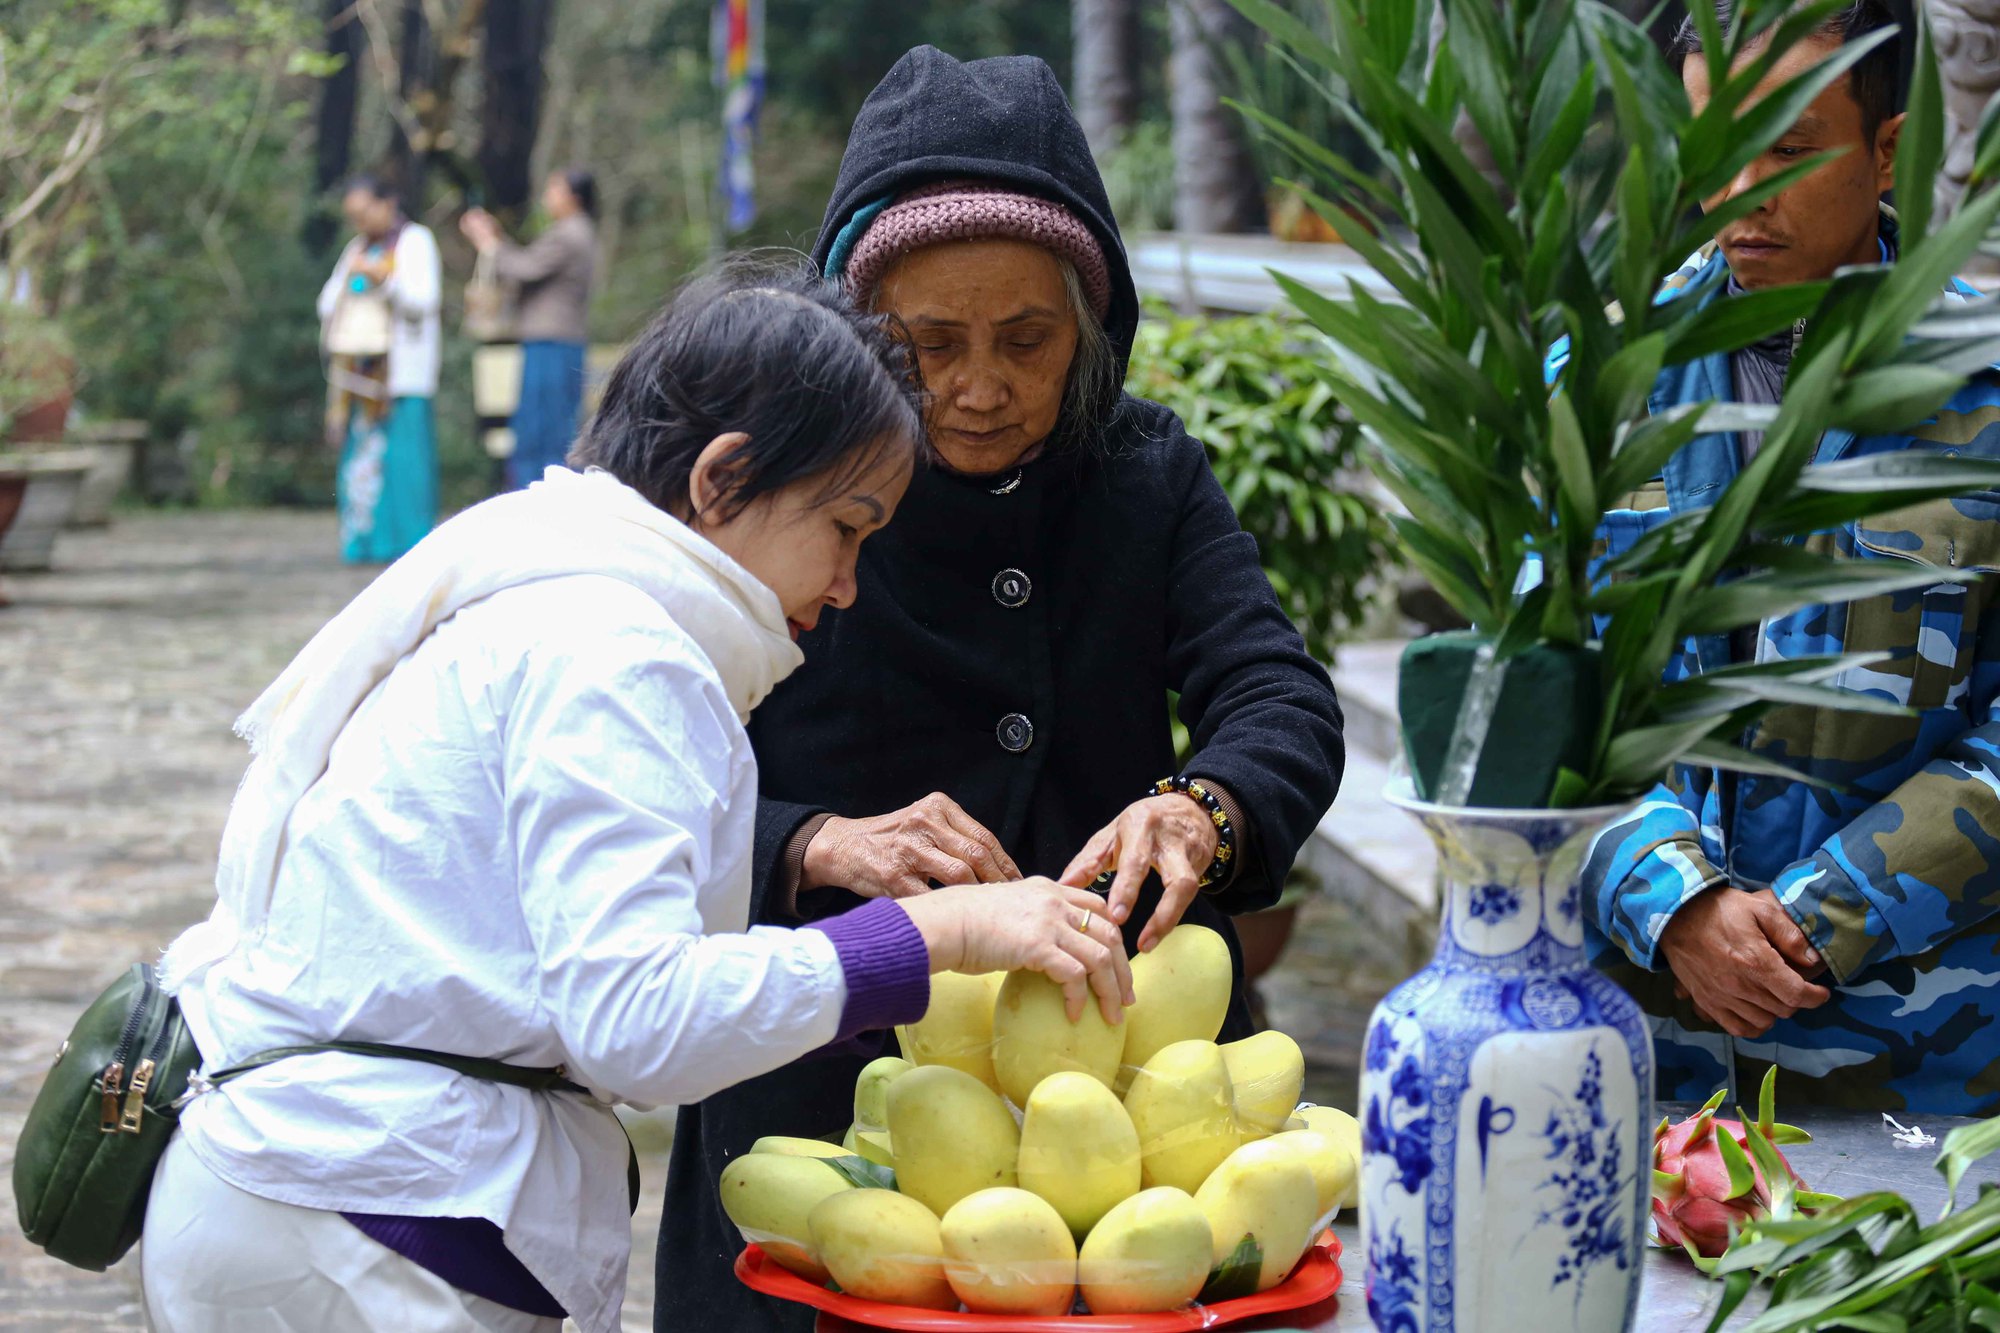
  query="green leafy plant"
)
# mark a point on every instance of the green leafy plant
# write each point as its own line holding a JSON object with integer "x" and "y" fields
{"x": 1868, "y": 1263}
{"x": 1139, "y": 177}
{"x": 1249, "y": 389}
{"x": 1507, "y": 469}
{"x": 37, "y": 362}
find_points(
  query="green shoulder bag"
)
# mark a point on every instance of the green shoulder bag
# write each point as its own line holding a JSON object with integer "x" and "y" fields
{"x": 84, "y": 1166}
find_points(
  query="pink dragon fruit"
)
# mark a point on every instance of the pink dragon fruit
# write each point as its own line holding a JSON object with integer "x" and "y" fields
{"x": 1707, "y": 1181}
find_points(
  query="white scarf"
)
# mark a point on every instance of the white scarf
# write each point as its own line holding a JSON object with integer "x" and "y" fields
{"x": 567, "y": 523}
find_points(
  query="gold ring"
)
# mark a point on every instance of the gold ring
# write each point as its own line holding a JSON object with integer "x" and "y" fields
{"x": 1084, "y": 925}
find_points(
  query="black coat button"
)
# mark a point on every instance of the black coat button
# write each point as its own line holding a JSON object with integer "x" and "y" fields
{"x": 1011, "y": 588}
{"x": 1015, "y": 733}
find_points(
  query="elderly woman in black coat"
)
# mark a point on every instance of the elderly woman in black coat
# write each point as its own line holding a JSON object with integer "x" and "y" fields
{"x": 996, "y": 701}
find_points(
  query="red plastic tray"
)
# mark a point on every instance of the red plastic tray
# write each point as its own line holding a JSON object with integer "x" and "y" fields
{"x": 1316, "y": 1278}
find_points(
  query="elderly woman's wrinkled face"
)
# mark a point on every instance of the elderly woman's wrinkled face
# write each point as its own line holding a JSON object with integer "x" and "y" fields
{"x": 994, "y": 335}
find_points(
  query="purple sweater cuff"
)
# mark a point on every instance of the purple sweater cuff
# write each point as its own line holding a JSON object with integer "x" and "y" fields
{"x": 888, "y": 968}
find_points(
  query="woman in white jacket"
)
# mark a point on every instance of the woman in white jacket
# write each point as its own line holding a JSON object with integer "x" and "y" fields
{"x": 380, "y": 315}
{"x": 502, "y": 806}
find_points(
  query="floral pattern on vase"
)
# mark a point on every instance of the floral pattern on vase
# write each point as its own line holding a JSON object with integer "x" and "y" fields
{"x": 1506, "y": 1097}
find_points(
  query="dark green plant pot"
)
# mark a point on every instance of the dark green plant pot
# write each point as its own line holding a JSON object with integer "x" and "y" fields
{"x": 1544, "y": 720}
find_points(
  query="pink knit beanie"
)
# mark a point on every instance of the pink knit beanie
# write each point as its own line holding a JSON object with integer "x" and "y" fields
{"x": 971, "y": 210}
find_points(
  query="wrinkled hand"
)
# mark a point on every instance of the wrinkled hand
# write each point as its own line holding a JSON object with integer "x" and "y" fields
{"x": 1171, "y": 834}
{"x": 901, "y": 853}
{"x": 1033, "y": 924}
{"x": 479, "y": 227}
{"x": 1741, "y": 959}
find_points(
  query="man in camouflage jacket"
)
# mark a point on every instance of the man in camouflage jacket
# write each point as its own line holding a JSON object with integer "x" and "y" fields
{"x": 1850, "y": 934}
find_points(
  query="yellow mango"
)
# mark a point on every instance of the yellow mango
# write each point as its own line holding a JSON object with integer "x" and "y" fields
{"x": 872, "y": 1087}
{"x": 1152, "y": 1252}
{"x": 1266, "y": 1072}
{"x": 953, "y": 1136}
{"x": 1265, "y": 1190}
{"x": 1182, "y": 992}
{"x": 1345, "y": 1130}
{"x": 791, "y": 1147}
{"x": 1033, "y": 1037}
{"x": 769, "y": 1196}
{"x": 883, "y": 1246}
{"x": 1078, "y": 1149}
{"x": 1185, "y": 1115}
{"x": 1006, "y": 1251}
{"x": 1334, "y": 1169}
{"x": 957, "y": 1029}
{"x": 874, "y": 1146}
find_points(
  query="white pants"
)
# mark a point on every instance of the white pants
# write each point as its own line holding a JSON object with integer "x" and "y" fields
{"x": 218, "y": 1260}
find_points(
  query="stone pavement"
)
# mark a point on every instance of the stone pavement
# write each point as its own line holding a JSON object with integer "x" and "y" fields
{"x": 120, "y": 675}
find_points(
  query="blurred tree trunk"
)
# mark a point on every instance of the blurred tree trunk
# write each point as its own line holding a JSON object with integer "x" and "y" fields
{"x": 1215, "y": 181}
{"x": 511, "y": 84}
{"x": 428, "y": 64}
{"x": 333, "y": 132}
{"x": 1106, "y": 78}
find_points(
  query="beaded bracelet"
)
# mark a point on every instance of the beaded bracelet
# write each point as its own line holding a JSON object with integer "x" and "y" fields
{"x": 1225, "y": 832}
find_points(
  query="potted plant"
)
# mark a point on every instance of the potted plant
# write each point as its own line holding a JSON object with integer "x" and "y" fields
{"x": 1506, "y": 1087}
{"x": 37, "y": 376}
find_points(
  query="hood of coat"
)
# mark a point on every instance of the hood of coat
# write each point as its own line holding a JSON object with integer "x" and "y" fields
{"x": 1003, "y": 119}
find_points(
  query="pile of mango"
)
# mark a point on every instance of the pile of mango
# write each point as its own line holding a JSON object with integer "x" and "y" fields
{"x": 1015, "y": 1160}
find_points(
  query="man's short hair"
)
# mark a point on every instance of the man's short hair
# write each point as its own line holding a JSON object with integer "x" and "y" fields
{"x": 1877, "y": 78}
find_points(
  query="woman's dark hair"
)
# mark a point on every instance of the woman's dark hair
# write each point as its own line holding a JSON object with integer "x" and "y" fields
{"x": 823, "y": 391}
{"x": 583, "y": 186}
{"x": 1877, "y": 79}
{"x": 370, "y": 183}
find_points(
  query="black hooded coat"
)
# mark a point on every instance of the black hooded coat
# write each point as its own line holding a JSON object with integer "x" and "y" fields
{"x": 1140, "y": 581}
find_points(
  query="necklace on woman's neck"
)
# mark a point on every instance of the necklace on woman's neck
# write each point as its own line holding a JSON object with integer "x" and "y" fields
{"x": 1007, "y": 487}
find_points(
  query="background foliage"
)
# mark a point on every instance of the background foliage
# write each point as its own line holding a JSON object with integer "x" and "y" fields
{"x": 1506, "y": 480}
{"x": 1250, "y": 390}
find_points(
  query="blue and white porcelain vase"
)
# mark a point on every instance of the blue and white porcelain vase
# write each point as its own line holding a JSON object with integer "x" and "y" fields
{"x": 1506, "y": 1098}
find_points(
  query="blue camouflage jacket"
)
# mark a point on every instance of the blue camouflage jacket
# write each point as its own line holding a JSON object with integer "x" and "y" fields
{"x": 1895, "y": 877}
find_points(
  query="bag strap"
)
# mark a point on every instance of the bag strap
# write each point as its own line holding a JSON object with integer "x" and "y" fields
{"x": 472, "y": 1066}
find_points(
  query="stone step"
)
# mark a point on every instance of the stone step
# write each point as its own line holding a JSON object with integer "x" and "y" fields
{"x": 1365, "y": 678}
{"x": 1375, "y": 858}
{"x": 1365, "y": 852}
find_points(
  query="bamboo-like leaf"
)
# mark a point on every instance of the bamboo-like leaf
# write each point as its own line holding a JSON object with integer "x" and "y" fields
{"x": 1710, "y": 160}
{"x": 1578, "y": 493}
{"x": 1627, "y": 378}
{"x": 1739, "y": 321}
{"x": 1919, "y": 275}
{"x": 1760, "y": 597}
{"x": 1736, "y": 759}
{"x": 1700, "y": 696}
{"x": 1284, "y": 26}
{"x": 1892, "y": 398}
{"x": 1396, "y": 267}
{"x": 1451, "y": 567}
{"x": 1552, "y": 147}
{"x": 1645, "y": 449}
{"x": 1709, "y": 224}
{"x": 1962, "y": 1147}
{"x": 1481, "y": 52}
{"x": 1920, "y": 146}
{"x": 1307, "y": 152}
{"x": 1908, "y": 469}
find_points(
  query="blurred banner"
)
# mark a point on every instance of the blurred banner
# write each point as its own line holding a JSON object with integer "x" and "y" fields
{"x": 737, "y": 37}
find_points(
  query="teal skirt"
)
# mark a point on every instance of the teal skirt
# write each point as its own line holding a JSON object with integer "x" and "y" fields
{"x": 388, "y": 482}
